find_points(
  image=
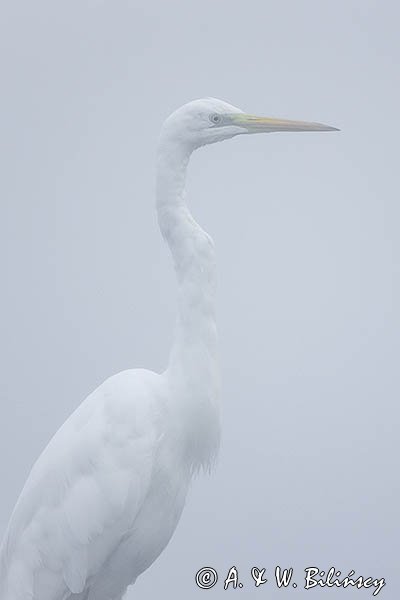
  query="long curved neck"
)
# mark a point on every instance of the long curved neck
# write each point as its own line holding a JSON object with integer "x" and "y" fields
{"x": 193, "y": 354}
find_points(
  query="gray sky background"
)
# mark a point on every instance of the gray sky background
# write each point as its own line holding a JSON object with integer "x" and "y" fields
{"x": 306, "y": 229}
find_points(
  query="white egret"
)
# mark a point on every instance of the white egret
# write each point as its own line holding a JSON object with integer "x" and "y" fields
{"x": 105, "y": 496}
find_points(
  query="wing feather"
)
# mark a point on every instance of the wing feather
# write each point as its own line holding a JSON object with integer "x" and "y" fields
{"x": 84, "y": 492}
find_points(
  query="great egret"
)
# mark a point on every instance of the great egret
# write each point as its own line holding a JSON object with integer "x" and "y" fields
{"x": 105, "y": 496}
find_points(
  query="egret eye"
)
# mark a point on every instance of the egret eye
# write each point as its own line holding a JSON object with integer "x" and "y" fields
{"x": 215, "y": 119}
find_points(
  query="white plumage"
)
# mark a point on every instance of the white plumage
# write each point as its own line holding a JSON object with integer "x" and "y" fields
{"x": 105, "y": 496}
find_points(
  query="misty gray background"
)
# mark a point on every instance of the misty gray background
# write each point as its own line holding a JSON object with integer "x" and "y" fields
{"x": 306, "y": 229}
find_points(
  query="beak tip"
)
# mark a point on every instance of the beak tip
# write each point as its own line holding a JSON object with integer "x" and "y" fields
{"x": 329, "y": 128}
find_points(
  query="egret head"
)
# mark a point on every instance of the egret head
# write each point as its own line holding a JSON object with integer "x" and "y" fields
{"x": 210, "y": 120}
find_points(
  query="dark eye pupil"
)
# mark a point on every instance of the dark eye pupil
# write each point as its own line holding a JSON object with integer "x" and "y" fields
{"x": 215, "y": 118}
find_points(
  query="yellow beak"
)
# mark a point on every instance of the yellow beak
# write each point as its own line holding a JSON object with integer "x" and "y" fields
{"x": 255, "y": 124}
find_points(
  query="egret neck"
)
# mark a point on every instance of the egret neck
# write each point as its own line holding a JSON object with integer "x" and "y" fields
{"x": 193, "y": 358}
